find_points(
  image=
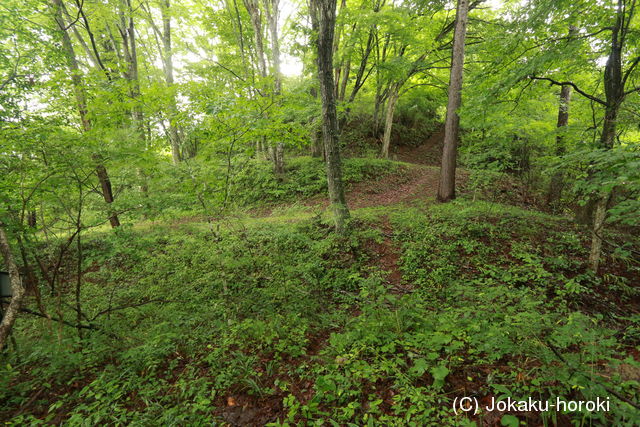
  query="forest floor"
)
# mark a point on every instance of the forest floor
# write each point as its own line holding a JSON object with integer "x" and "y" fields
{"x": 427, "y": 153}
{"x": 274, "y": 319}
{"x": 415, "y": 182}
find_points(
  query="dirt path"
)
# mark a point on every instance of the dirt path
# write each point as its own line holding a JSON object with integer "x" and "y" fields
{"x": 417, "y": 182}
{"x": 428, "y": 153}
{"x": 409, "y": 184}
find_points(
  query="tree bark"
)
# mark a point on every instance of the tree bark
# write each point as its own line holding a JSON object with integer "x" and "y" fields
{"x": 323, "y": 15}
{"x": 599, "y": 218}
{"x": 556, "y": 184}
{"x": 614, "y": 96}
{"x": 272, "y": 11}
{"x": 447, "y": 185}
{"x": 174, "y": 134}
{"x": 394, "y": 94}
{"x": 17, "y": 289}
{"x": 253, "y": 8}
{"x": 128, "y": 34}
{"x": 317, "y": 148}
{"x": 81, "y": 103}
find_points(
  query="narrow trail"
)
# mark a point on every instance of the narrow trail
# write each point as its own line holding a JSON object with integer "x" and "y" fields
{"x": 386, "y": 256}
{"x": 427, "y": 153}
{"x": 417, "y": 181}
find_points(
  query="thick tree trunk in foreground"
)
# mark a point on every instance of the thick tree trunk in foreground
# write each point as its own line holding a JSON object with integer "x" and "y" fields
{"x": 323, "y": 15}
{"x": 394, "y": 94}
{"x": 447, "y": 186}
{"x": 17, "y": 289}
{"x": 81, "y": 102}
{"x": 556, "y": 184}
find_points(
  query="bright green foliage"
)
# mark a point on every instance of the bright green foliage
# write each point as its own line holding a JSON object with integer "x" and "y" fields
{"x": 225, "y": 297}
{"x": 498, "y": 295}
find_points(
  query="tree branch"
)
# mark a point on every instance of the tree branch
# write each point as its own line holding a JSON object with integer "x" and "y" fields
{"x": 573, "y": 85}
{"x": 627, "y": 73}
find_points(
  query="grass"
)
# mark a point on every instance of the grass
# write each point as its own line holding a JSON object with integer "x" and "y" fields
{"x": 278, "y": 320}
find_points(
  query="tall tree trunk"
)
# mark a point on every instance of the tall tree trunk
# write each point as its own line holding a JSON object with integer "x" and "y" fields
{"x": 323, "y": 15}
{"x": 336, "y": 45}
{"x": 378, "y": 105}
{"x": 81, "y": 103}
{"x": 253, "y": 8}
{"x": 614, "y": 95}
{"x": 128, "y": 34}
{"x": 317, "y": 148}
{"x": 447, "y": 186}
{"x": 174, "y": 134}
{"x": 392, "y": 101}
{"x": 32, "y": 218}
{"x": 345, "y": 79}
{"x": 272, "y": 8}
{"x": 17, "y": 290}
{"x": 556, "y": 184}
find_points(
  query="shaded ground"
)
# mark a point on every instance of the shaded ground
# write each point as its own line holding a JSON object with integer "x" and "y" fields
{"x": 410, "y": 184}
{"x": 428, "y": 153}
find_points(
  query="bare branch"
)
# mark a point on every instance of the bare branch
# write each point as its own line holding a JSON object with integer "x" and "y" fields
{"x": 573, "y": 85}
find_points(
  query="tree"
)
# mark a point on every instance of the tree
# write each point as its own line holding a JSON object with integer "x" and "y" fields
{"x": 17, "y": 289}
{"x": 165, "y": 51}
{"x": 323, "y": 16}
{"x": 81, "y": 104}
{"x": 272, "y": 8}
{"x": 555, "y": 185}
{"x": 447, "y": 185}
{"x": 616, "y": 82}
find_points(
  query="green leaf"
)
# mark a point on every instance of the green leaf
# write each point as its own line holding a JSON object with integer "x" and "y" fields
{"x": 439, "y": 373}
{"x": 509, "y": 421}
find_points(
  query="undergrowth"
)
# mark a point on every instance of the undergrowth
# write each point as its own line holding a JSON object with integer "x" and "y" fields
{"x": 290, "y": 324}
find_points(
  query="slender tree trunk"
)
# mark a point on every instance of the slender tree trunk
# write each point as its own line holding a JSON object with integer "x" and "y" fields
{"x": 378, "y": 104}
{"x": 447, "y": 186}
{"x": 272, "y": 8}
{"x": 602, "y": 200}
{"x": 556, "y": 184}
{"x": 17, "y": 290}
{"x": 81, "y": 102}
{"x": 32, "y": 218}
{"x": 128, "y": 34}
{"x": 614, "y": 95}
{"x": 317, "y": 148}
{"x": 336, "y": 45}
{"x": 323, "y": 16}
{"x": 174, "y": 134}
{"x": 599, "y": 217}
{"x": 345, "y": 80}
{"x": 392, "y": 101}
{"x": 253, "y": 8}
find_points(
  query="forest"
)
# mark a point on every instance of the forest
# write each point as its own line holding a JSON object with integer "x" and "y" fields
{"x": 320, "y": 212}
